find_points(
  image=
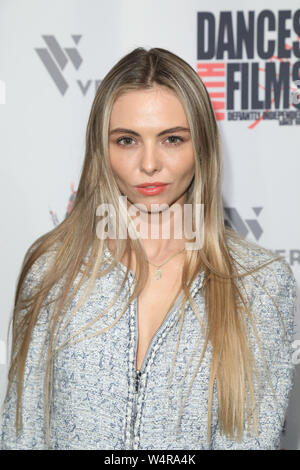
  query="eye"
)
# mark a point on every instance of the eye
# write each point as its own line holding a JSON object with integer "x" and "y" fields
{"x": 123, "y": 138}
{"x": 175, "y": 137}
{"x": 128, "y": 140}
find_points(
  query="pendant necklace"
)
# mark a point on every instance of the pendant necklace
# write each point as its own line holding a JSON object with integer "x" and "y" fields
{"x": 158, "y": 273}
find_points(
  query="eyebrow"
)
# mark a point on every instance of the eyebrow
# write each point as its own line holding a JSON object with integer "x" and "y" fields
{"x": 166, "y": 131}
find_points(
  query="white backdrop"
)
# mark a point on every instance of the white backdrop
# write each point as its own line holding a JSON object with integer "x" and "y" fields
{"x": 54, "y": 54}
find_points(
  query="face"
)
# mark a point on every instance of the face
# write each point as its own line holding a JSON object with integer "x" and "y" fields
{"x": 148, "y": 151}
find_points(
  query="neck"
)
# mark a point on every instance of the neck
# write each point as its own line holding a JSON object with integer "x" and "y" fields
{"x": 161, "y": 232}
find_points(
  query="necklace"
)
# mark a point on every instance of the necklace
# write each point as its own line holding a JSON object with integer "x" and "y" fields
{"x": 158, "y": 273}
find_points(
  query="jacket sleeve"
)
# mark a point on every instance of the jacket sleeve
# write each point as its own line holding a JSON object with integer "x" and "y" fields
{"x": 32, "y": 436}
{"x": 276, "y": 333}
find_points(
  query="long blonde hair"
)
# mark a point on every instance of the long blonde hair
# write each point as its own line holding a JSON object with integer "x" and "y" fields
{"x": 75, "y": 254}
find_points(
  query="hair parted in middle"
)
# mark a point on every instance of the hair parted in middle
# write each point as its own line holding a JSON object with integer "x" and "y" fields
{"x": 78, "y": 251}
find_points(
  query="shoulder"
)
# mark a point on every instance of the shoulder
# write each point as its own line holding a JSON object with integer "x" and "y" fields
{"x": 270, "y": 288}
{"x": 270, "y": 279}
{"x": 249, "y": 255}
{"x": 37, "y": 270}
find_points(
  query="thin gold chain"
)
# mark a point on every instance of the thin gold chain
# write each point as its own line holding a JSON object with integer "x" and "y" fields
{"x": 158, "y": 273}
{"x": 167, "y": 259}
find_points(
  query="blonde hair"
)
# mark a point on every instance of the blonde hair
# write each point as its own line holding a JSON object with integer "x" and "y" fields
{"x": 74, "y": 254}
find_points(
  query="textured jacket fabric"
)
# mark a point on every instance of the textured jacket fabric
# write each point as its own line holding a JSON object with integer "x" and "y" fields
{"x": 96, "y": 403}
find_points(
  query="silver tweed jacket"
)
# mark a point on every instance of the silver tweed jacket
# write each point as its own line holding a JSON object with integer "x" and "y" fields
{"x": 101, "y": 402}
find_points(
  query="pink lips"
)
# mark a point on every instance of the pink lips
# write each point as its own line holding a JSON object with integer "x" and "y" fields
{"x": 156, "y": 189}
{"x": 151, "y": 183}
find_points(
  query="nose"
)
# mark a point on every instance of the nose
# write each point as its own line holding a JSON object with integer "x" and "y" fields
{"x": 150, "y": 160}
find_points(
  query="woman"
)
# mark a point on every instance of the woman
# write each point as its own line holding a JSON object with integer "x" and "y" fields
{"x": 148, "y": 343}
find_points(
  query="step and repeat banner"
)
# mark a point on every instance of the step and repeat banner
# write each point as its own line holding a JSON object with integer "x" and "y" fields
{"x": 53, "y": 56}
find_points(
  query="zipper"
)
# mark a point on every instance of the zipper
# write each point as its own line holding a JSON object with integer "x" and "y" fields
{"x": 137, "y": 383}
{"x": 137, "y": 380}
{"x": 138, "y": 373}
{"x": 136, "y": 388}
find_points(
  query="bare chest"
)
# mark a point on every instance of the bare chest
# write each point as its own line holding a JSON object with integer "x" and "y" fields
{"x": 153, "y": 303}
{"x": 153, "y": 306}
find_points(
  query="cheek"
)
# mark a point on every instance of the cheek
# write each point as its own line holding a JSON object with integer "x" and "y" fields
{"x": 186, "y": 166}
{"x": 118, "y": 165}
{"x": 191, "y": 162}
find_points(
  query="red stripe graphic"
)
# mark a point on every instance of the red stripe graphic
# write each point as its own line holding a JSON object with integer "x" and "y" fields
{"x": 211, "y": 70}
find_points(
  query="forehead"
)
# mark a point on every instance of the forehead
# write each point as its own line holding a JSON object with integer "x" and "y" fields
{"x": 152, "y": 107}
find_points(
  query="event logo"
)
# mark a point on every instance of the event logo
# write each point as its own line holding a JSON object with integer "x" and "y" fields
{"x": 244, "y": 227}
{"x": 249, "y": 63}
{"x": 55, "y": 58}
